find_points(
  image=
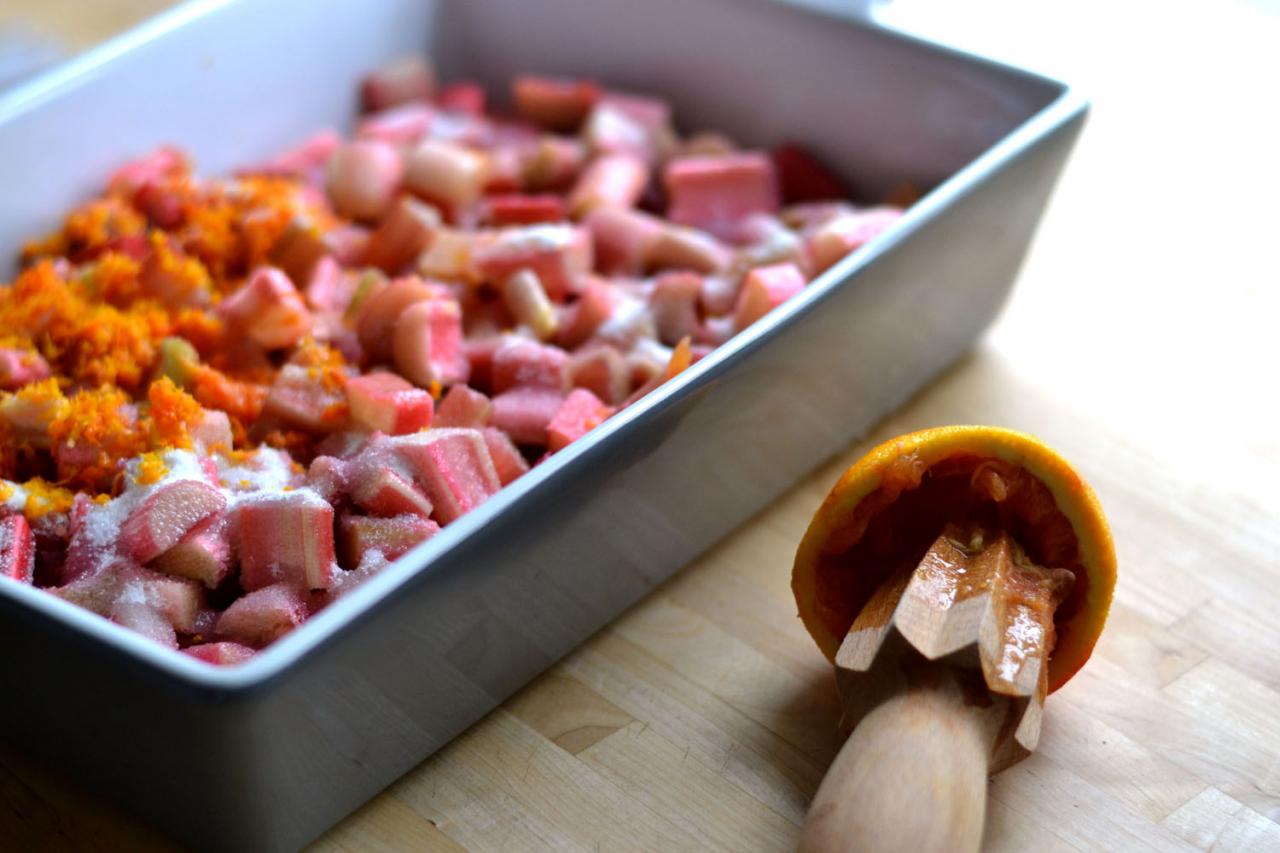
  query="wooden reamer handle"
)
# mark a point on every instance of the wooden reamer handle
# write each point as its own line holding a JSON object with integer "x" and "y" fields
{"x": 912, "y": 777}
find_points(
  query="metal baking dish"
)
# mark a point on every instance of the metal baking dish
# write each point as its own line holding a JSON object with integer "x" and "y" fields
{"x": 268, "y": 755}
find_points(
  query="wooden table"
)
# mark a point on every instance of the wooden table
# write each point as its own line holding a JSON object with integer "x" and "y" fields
{"x": 1142, "y": 341}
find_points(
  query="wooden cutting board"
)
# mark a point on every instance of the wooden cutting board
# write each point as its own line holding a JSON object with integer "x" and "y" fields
{"x": 1142, "y": 343}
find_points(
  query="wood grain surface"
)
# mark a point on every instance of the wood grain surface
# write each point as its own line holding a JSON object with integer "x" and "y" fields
{"x": 1142, "y": 342}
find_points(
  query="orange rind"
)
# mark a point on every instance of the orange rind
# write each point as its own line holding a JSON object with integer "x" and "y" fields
{"x": 884, "y": 512}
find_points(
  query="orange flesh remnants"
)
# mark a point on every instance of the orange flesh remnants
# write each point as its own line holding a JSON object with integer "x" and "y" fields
{"x": 884, "y": 514}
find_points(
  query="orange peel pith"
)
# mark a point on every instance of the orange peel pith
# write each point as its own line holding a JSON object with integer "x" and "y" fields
{"x": 886, "y": 509}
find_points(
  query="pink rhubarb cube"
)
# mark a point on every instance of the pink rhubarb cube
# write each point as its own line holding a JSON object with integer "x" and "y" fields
{"x": 385, "y": 491}
{"x": 518, "y": 209}
{"x": 463, "y": 97}
{"x": 717, "y": 193}
{"x": 377, "y": 316}
{"x": 391, "y": 537}
{"x": 764, "y": 289}
{"x": 410, "y": 78}
{"x": 508, "y": 461}
{"x": 554, "y": 103}
{"x": 300, "y": 397}
{"x": 558, "y": 254}
{"x": 603, "y": 371}
{"x": 286, "y": 536}
{"x": 450, "y": 176}
{"x": 19, "y": 367}
{"x": 303, "y": 160}
{"x": 583, "y": 318}
{"x": 363, "y": 179}
{"x": 268, "y": 309}
{"x": 580, "y": 413}
{"x": 327, "y": 477}
{"x": 405, "y": 124}
{"x": 220, "y": 654}
{"x": 264, "y": 615}
{"x": 521, "y": 362}
{"x": 463, "y": 406}
{"x": 834, "y": 239}
{"x": 383, "y": 402}
{"x": 621, "y": 239}
{"x": 523, "y": 413}
{"x": 141, "y": 618}
{"x": 610, "y": 181}
{"x": 404, "y": 233}
{"x": 453, "y": 467}
{"x": 167, "y": 515}
{"x": 17, "y": 549}
{"x": 426, "y": 344}
{"x": 674, "y": 303}
{"x": 204, "y": 554}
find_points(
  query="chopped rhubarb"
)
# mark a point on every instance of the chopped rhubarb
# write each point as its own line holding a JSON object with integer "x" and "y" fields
{"x": 391, "y": 537}
{"x": 141, "y": 618}
{"x": 211, "y": 432}
{"x": 20, "y": 367}
{"x": 385, "y": 492}
{"x": 405, "y": 124}
{"x": 178, "y": 600}
{"x": 327, "y": 477}
{"x": 517, "y": 209}
{"x": 268, "y": 309}
{"x": 840, "y": 236}
{"x": 383, "y": 402}
{"x": 303, "y": 160}
{"x": 717, "y": 193}
{"x": 383, "y": 327}
{"x": 674, "y": 303}
{"x": 552, "y": 103}
{"x": 559, "y": 254}
{"x": 426, "y": 343}
{"x": 17, "y": 549}
{"x": 527, "y": 301}
{"x": 410, "y": 78}
{"x": 166, "y": 516}
{"x": 580, "y": 413}
{"x": 403, "y": 234}
{"x": 623, "y": 239}
{"x": 363, "y": 179}
{"x": 581, "y": 319}
{"x": 453, "y": 467}
{"x": 610, "y": 130}
{"x": 264, "y": 615}
{"x": 382, "y": 310}
{"x": 463, "y": 407}
{"x": 766, "y": 288}
{"x": 612, "y": 181}
{"x": 463, "y": 97}
{"x": 301, "y": 397}
{"x": 447, "y": 175}
{"x": 220, "y": 654}
{"x": 553, "y": 164}
{"x": 161, "y": 163}
{"x": 286, "y": 536}
{"x": 603, "y": 371}
{"x": 523, "y": 413}
{"x": 508, "y": 462}
{"x": 204, "y": 554}
{"x": 675, "y": 247}
{"x": 803, "y": 178}
{"x": 325, "y": 288}
{"x": 522, "y": 362}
